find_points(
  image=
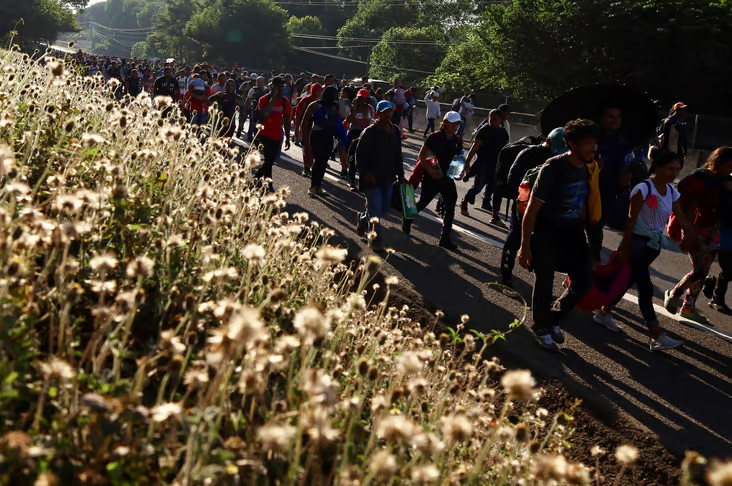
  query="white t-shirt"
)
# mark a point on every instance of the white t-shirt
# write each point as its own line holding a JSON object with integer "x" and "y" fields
{"x": 433, "y": 109}
{"x": 656, "y": 209}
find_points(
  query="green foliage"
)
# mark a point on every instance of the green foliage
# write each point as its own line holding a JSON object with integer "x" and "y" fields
{"x": 540, "y": 49}
{"x": 305, "y": 25}
{"x": 140, "y": 50}
{"x": 409, "y": 57}
{"x": 228, "y": 28}
{"x": 33, "y": 23}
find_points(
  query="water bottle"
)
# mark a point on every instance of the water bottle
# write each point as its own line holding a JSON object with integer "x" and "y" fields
{"x": 456, "y": 166}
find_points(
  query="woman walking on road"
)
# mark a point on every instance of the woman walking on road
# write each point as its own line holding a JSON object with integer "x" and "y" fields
{"x": 652, "y": 203}
{"x": 320, "y": 125}
{"x": 701, "y": 200}
{"x": 361, "y": 117}
{"x": 444, "y": 144}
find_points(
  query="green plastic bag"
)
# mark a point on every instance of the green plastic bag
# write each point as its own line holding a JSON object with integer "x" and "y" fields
{"x": 409, "y": 204}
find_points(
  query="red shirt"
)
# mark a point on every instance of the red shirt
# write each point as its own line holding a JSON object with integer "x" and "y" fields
{"x": 273, "y": 123}
{"x": 303, "y": 105}
{"x": 195, "y": 105}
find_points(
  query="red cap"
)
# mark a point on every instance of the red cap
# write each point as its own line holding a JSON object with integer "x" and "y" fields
{"x": 680, "y": 106}
{"x": 315, "y": 87}
{"x": 363, "y": 93}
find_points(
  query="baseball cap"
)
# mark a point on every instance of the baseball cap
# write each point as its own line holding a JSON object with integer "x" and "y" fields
{"x": 315, "y": 87}
{"x": 452, "y": 117}
{"x": 384, "y": 105}
{"x": 363, "y": 93}
{"x": 680, "y": 106}
{"x": 556, "y": 141}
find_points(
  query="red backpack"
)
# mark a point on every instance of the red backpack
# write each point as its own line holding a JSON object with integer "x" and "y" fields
{"x": 711, "y": 197}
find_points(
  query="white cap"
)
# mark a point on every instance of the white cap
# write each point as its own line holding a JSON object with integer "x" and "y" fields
{"x": 452, "y": 117}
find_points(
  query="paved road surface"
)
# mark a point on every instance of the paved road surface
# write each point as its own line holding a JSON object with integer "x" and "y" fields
{"x": 684, "y": 396}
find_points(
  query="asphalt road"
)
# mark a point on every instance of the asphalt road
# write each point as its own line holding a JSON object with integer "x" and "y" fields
{"x": 683, "y": 396}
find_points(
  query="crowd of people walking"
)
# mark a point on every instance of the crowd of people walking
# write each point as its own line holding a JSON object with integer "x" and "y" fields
{"x": 563, "y": 189}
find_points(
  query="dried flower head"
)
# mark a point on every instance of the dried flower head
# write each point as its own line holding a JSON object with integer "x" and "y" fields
{"x": 164, "y": 411}
{"x": 140, "y": 267}
{"x": 720, "y": 473}
{"x": 383, "y": 464}
{"x": 626, "y": 454}
{"x": 57, "y": 368}
{"x": 456, "y": 428}
{"x": 7, "y": 160}
{"x": 519, "y": 385}
{"x": 276, "y": 437}
{"x": 311, "y": 324}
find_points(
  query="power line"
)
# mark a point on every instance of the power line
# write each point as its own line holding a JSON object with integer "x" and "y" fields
{"x": 400, "y": 69}
{"x": 363, "y": 39}
{"x": 90, "y": 22}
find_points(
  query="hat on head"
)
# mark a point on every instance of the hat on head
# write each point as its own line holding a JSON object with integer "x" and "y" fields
{"x": 556, "y": 141}
{"x": 384, "y": 105}
{"x": 363, "y": 93}
{"x": 680, "y": 106}
{"x": 253, "y": 77}
{"x": 452, "y": 117}
{"x": 315, "y": 87}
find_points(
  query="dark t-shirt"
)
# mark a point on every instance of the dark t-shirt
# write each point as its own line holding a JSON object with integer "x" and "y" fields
{"x": 563, "y": 188}
{"x": 166, "y": 87}
{"x": 492, "y": 141}
{"x": 227, "y": 102}
{"x": 445, "y": 149}
{"x": 379, "y": 157}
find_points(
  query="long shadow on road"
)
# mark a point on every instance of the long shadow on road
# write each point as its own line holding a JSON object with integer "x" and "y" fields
{"x": 687, "y": 407}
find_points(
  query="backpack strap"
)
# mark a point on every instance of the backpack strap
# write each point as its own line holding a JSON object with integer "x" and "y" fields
{"x": 650, "y": 190}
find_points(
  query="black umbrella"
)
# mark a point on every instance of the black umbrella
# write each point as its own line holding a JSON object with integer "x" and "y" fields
{"x": 640, "y": 114}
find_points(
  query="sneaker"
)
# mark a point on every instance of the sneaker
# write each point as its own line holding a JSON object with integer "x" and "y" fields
{"x": 360, "y": 228}
{"x": 664, "y": 342}
{"x": 344, "y": 175}
{"x": 547, "y": 343}
{"x": 307, "y": 172}
{"x": 694, "y": 316}
{"x": 497, "y": 222}
{"x": 508, "y": 290}
{"x": 312, "y": 192}
{"x": 446, "y": 243}
{"x": 407, "y": 226}
{"x": 607, "y": 321}
{"x": 404, "y": 137}
{"x": 708, "y": 287}
{"x": 720, "y": 307}
{"x": 670, "y": 303}
{"x": 464, "y": 208}
{"x": 320, "y": 191}
{"x": 353, "y": 187}
{"x": 557, "y": 335}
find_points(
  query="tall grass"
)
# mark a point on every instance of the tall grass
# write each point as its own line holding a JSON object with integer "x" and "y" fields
{"x": 166, "y": 321}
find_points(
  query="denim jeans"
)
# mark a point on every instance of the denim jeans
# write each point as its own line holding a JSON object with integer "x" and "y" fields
{"x": 378, "y": 201}
{"x": 641, "y": 258}
{"x": 199, "y": 119}
{"x": 485, "y": 177}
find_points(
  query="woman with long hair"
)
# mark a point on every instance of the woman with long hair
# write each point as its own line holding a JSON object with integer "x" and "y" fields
{"x": 321, "y": 124}
{"x": 701, "y": 200}
{"x": 651, "y": 204}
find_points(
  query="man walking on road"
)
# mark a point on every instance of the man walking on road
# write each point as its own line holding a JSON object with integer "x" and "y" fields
{"x": 527, "y": 159}
{"x": 379, "y": 161}
{"x": 553, "y": 233}
{"x": 274, "y": 113}
{"x": 489, "y": 141}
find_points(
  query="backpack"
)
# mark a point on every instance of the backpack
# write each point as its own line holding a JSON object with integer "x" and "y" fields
{"x": 506, "y": 157}
{"x": 455, "y": 105}
{"x": 524, "y": 192}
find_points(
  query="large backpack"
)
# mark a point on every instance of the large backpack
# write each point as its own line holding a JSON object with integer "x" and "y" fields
{"x": 455, "y": 105}
{"x": 506, "y": 157}
{"x": 524, "y": 192}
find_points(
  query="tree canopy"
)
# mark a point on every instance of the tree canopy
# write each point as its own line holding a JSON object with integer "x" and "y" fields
{"x": 33, "y": 23}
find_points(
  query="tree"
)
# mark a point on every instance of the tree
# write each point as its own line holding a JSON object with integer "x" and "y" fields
{"x": 540, "y": 49}
{"x": 167, "y": 39}
{"x": 34, "y": 23}
{"x": 229, "y": 30}
{"x": 305, "y": 25}
{"x": 409, "y": 54}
